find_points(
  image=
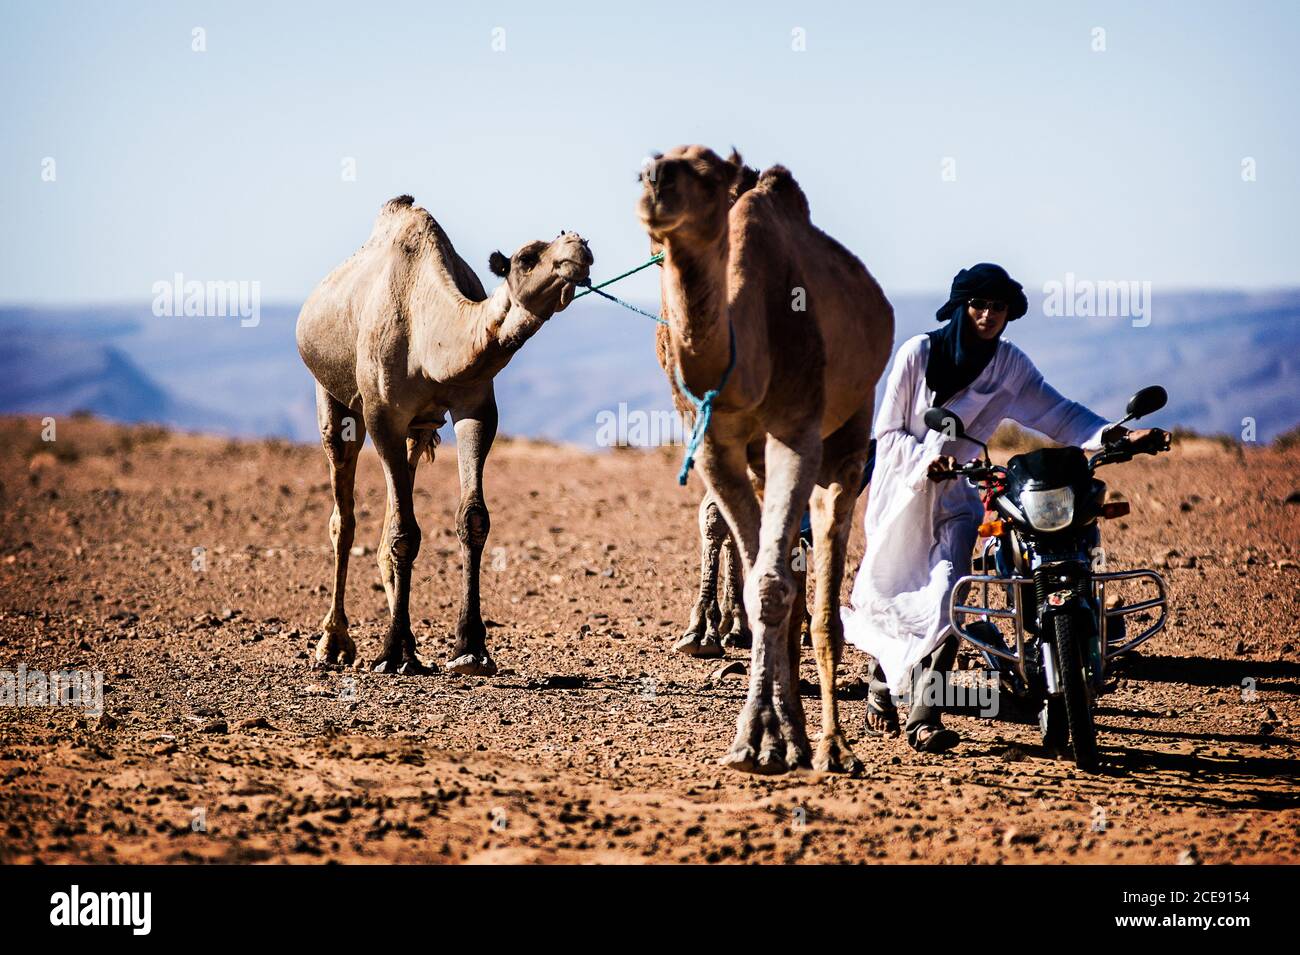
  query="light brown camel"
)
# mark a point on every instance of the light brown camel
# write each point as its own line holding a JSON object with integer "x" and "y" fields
{"x": 812, "y": 332}
{"x": 399, "y": 335}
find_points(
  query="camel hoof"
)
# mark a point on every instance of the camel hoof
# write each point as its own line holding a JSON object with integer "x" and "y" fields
{"x": 692, "y": 645}
{"x": 335, "y": 648}
{"x": 770, "y": 762}
{"x": 835, "y": 756}
{"x": 738, "y": 640}
{"x": 407, "y": 667}
{"x": 468, "y": 664}
{"x": 413, "y": 667}
{"x": 741, "y": 759}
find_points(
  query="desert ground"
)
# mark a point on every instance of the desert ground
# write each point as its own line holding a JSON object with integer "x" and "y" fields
{"x": 594, "y": 743}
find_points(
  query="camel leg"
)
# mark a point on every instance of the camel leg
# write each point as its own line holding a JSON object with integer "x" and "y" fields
{"x": 335, "y": 644}
{"x": 474, "y": 435}
{"x": 701, "y": 636}
{"x": 796, "y": 628}
{"x": 731, "y": 622}
{"x": 770, "y": 732}
{"x": 415, "y": 446}
{"x": 399, "y": 545}
{"x": 832, "y": 519}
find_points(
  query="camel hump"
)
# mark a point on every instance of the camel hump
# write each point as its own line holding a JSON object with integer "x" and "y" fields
{"x": 403, "y": 224}
{"x": 779, "y": 183}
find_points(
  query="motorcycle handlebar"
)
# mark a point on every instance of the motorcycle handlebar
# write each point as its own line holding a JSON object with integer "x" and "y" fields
{"x": 1117, "y": 452}
{"x": 976, "y": 471}
{"x": 1153, "y": 443}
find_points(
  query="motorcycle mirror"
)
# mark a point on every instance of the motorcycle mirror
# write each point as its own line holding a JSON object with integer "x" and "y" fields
{"x": 945, "y": 422}
{"x": 1145, "y": 402}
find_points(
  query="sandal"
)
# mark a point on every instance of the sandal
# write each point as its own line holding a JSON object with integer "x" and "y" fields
{"x": 934, "y": 739}
{"x": 886, "y": 717}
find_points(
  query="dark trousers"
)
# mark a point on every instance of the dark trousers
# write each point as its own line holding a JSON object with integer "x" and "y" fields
{"x": 930, "y": 671}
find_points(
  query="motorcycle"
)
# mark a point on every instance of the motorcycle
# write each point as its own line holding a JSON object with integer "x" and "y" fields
{"x": 1042, "y": 539}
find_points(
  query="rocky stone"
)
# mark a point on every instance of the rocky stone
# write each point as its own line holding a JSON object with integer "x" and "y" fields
{"x": 734, "y": 668}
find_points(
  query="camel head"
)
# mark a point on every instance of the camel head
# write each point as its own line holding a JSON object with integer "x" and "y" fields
{"x": 541, "y": 276}
{"x": 686, "y": 192}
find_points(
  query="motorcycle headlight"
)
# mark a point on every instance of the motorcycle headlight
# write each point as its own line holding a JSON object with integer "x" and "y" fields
{"x": 1048, "y": 510}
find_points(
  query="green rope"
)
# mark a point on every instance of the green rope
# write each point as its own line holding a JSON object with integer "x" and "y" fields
{"x": 654, "y": 260}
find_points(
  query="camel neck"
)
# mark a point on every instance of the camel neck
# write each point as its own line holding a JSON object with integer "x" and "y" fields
{"x": 515, "y": 324}
{"x": 465, "y": 339}
{"x": 695, "y": 307}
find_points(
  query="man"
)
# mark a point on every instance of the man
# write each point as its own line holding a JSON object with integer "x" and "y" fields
{"x": 920, "y": 531}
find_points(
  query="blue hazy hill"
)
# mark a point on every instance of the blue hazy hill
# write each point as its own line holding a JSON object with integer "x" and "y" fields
{"x": 1224, "y": 356}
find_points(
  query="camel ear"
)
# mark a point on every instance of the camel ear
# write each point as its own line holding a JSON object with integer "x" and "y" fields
{"x": 743, "y": 178}
{"x": 498, "y": 264}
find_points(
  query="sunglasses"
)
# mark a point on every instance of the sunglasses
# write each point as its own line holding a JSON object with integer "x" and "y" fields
{"x": 980, "y": 304}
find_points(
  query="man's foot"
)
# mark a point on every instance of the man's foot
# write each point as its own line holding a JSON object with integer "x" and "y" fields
{"x": 934, "y": 739}
{"x": 882, "y": 717}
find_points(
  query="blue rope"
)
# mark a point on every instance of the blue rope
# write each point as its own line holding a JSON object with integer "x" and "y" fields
{"x": 703, "y": 405}
{"x": 624, "y": 304}
{"x": 703, "y": 409}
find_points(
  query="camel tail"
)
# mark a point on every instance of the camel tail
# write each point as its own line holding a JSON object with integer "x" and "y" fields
{"x": 780, "y": 184}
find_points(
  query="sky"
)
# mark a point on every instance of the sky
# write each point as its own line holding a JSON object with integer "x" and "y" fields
{"x": 928, "y": 136}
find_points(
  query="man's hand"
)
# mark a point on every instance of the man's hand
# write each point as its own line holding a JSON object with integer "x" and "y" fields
{"x": 1119, "y": 432}
{"x": 1143, "y": 433}
{"x": 941, "y": 467}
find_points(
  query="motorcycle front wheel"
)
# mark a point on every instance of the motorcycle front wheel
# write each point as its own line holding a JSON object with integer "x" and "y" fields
{"x": 1074, "y": 685}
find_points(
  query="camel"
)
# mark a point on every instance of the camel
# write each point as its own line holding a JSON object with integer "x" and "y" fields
{"x": 397, "y": 337}
{"x": 812, "y": 332}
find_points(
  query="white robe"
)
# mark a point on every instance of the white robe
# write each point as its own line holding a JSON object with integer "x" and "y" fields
{"x": 920, "y": 533}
